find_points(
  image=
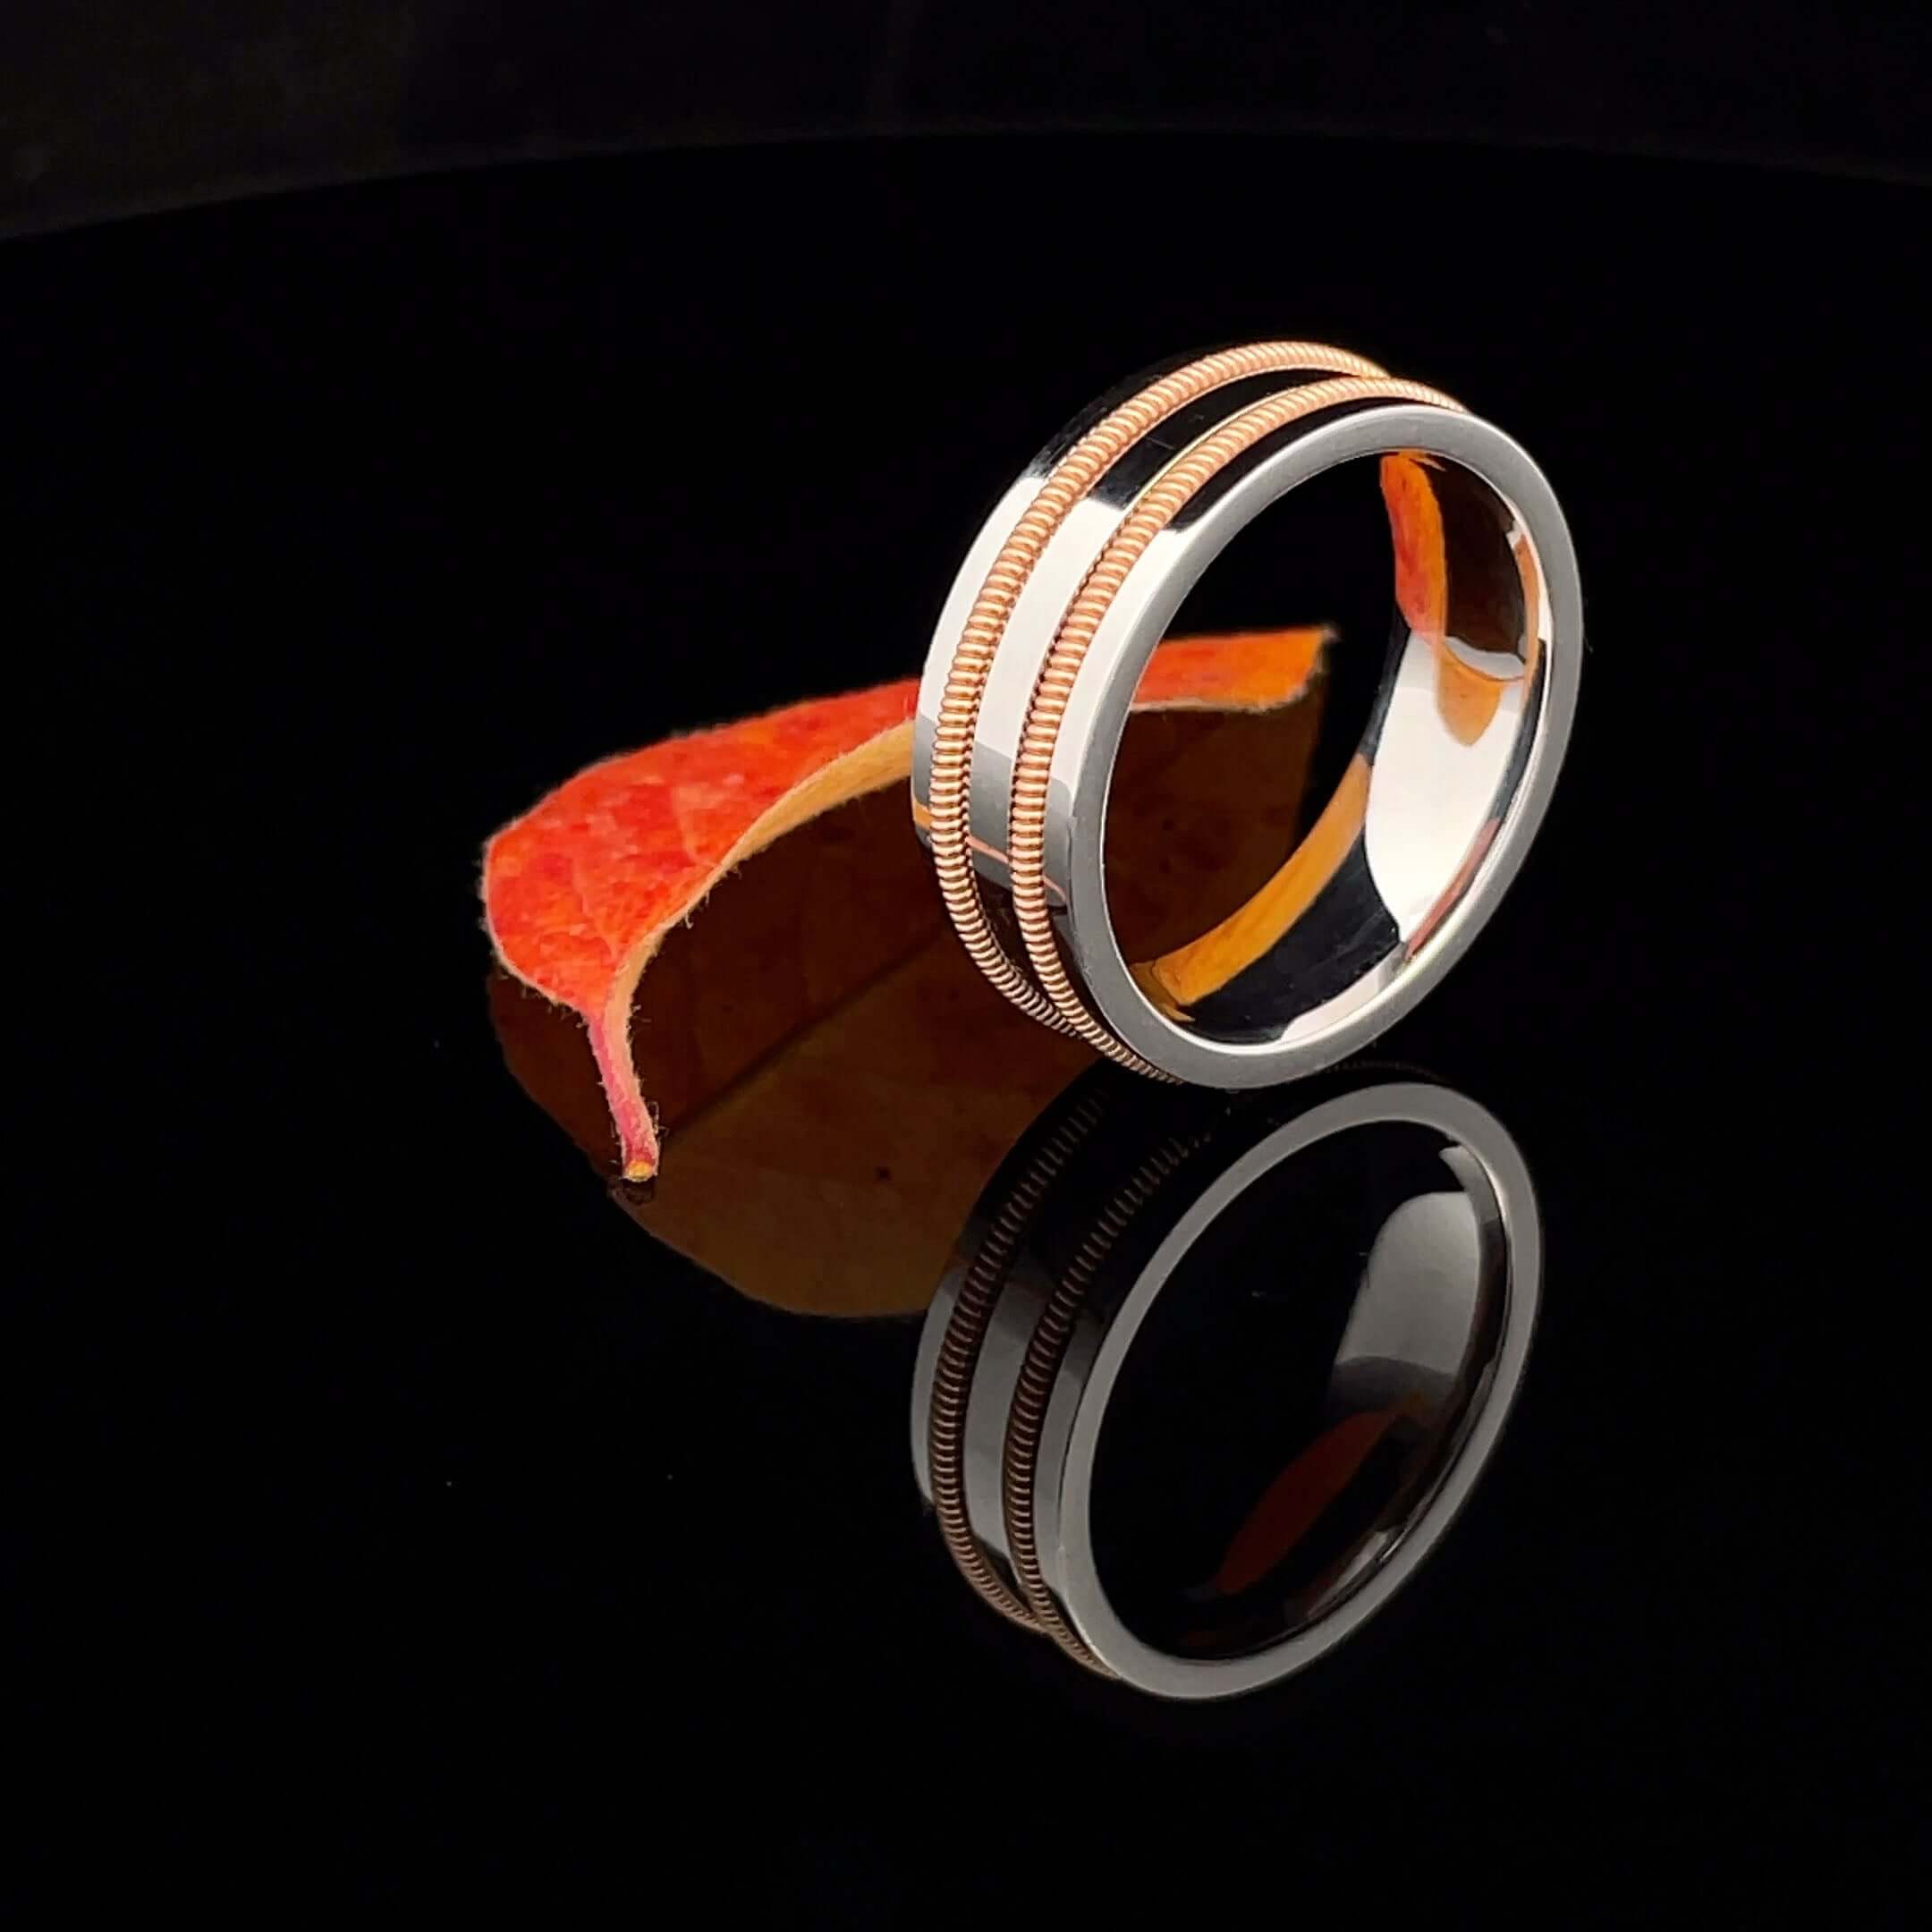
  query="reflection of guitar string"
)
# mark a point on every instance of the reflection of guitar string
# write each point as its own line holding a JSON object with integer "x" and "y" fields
{"x": 960, "y": 1350}
{"x": 1020, "y": 1456}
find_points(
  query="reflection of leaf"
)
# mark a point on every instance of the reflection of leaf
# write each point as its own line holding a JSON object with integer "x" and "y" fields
{"x": 581, "y": 891}
{"x": 1491, "y": 601}
{"x": 1422, "y": 556}
{"x": 1294, "y": 1502}
{"x": 840, "y": 1080}
{"x": 1205, "y": 964}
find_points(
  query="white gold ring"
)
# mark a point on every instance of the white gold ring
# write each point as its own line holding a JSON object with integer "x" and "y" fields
{"x": 1062, "y": 597}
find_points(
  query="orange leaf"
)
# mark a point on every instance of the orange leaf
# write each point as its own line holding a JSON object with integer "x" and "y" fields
{"x": 579, "y": 893}
{"x": 841, "y": 1081}
{"x": 835, "y": 1116}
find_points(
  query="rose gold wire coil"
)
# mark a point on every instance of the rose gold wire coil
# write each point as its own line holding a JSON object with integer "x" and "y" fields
{"x": 959, "y": 1358}
{"x": 1157, "y": 506}
{"x": 1027, "y": 1417}
{"x": 948, "y": 791}
{"x": 961, "y": 1346}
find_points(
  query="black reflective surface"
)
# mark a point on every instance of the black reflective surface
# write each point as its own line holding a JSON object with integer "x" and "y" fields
{"x": 404, "y": 1514}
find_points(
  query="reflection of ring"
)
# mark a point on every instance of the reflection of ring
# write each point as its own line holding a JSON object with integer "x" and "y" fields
{"x": 1054, "y": 615}
{"x": 1365, "y": 1272}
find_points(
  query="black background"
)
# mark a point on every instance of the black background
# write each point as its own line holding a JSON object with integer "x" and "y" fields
{"x": 128, "y": 104}
{"x": 408, "y": 1521}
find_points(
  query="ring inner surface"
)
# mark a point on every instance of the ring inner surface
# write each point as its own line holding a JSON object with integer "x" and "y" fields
{"x": 1270, "y": 870}
{"x": 1286, "y": 1411}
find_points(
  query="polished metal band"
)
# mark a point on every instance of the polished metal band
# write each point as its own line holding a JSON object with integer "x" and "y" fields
{"x": 1054, "y": 614}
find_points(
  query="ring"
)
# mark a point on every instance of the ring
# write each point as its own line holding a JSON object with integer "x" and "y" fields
{"x": 1192, "y": 1467}
{"x": 1055, "y": 614}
